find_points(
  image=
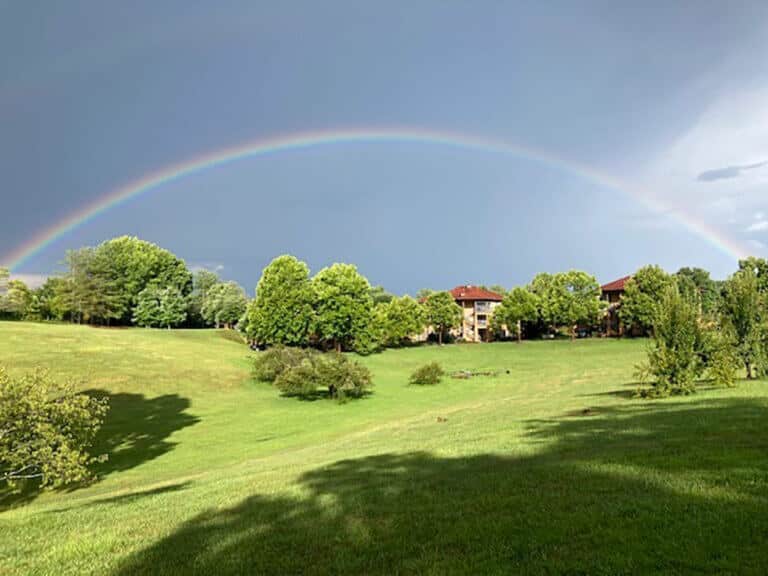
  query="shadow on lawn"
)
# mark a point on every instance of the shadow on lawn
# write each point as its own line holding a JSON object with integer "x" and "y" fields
{"x": 136, "y": 430}
{"x": 670, "y": 488}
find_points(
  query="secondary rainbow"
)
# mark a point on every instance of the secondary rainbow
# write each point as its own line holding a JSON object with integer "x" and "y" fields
{"x": 304, "y": 140}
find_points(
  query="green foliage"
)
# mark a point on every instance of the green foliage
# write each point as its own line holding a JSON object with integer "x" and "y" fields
{"x": 642, "y": 297}
{"x": 271, "y": 363}
{"x": 676, "y": 353}
{"x": 722, "y": 358}
{"x": 224, "y": 303}
{"x": 282, "y": 311}
{"x": 519, "y": 305}
{"x": 759, "y": 268}
{"x": 17, "y": 299}
{"x": 442, "y": 313}
{"x": 45, "y": 430}
{"x": 303, "y": 372}
{"x": 160, "y": 307}
{"x": 380, "y": 295}
{"x": 743, "y": 317}
{"x": 696, "y": 284}
{"x": 343, "y": 307}
{"x": 567, "y": 299}
{"x": 428, "y": 374}
{"x": 202, "y": 282}
{"x": 401, "y": 319}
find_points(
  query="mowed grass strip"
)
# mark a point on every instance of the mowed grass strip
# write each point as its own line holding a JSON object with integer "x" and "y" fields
{"x": 548, "y": 467}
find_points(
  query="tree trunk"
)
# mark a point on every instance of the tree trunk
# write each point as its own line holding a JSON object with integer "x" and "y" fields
{"x": 337, "y": 345}
{"x": 749, "y": 370}
{"x": 519, "y": 331}
{"x": 440, "y": 337}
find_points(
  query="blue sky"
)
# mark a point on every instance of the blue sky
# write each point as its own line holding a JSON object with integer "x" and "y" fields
{"x": 671, "y": 98}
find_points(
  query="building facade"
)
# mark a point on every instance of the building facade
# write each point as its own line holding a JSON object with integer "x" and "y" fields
{"x": 477, "y": 305}
{"x": 612, "y": 293}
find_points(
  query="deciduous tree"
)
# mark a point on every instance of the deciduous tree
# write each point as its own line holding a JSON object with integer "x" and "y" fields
{"x": 442, "y": 313}
{"x": 46, "y": 429}
{"x": 224, "y": 304}
{"x": 282, "y": 310}
{"x": 160, "y": 307}
{"x": 343, "y": 307}
{"x": 743, "y": 318}
{"x": 642, "y": 296}
{"x": 402, "y": 318}
{"x": 519, "y": 305}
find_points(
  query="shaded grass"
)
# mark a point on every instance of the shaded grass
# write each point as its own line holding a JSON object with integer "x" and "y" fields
{"x": 543, "y": 469}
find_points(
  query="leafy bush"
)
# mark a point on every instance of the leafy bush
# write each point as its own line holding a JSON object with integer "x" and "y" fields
{"x": 271, "y": 363}
{"x": 342, "y": 377}
{"x": 303, "y": 372}
{"x": 677, "y": 351}
{"x": 430, "y": 373}
{"x": 45, "y": 430}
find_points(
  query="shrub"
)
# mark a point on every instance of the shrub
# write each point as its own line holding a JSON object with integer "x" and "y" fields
{"x": 430, "y": 373}
{"x": 677, "y": 352}
{"x": 271, "y": 363}
{"x": 342, "y": 377}
{"x": 303, "y": 372}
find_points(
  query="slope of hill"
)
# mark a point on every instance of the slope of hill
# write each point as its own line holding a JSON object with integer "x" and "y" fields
{"x": 550, "y": 466}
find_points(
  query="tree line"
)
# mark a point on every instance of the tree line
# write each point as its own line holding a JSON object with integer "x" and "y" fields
{"x": 126, "y": 281}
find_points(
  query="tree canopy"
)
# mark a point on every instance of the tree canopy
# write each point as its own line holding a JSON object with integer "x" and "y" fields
{"x": 643, "y": 293}
{"x": 343, "y": 306}
{"x": 45, "y": 430}
{"x": 519, "y": 305}
{"x": 282, "y": 310}
{"x": 442, "y": 313}
{"x": 224, "y": 304}
{"x": 160, "y": 307}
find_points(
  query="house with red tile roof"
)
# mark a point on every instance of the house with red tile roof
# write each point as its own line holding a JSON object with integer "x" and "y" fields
{"x": 477, "y": 305}
{"x": 612, "y": 293}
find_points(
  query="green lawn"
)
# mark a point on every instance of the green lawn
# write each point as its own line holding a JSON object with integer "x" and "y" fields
{"x": 550, "y": 468}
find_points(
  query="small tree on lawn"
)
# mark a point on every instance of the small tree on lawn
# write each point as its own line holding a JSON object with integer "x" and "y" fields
{"x": 519, "y": 305}
{"x": 224, "y": 304}
{"x": 676, "y": 354}
{"x": 45, "y": 430}
{"x": 743, "y": 317}
{"x": 442, "y": 313}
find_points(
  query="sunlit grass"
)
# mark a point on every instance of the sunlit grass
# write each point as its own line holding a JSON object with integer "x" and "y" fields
{"x": 547, "y": 468}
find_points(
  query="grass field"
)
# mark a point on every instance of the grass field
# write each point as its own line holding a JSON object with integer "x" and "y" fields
{"x": 551, "y": 468}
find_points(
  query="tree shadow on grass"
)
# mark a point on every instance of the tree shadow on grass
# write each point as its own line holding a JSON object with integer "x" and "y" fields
{"x": 660, "y": 489}
{"x": 136, "y": 430}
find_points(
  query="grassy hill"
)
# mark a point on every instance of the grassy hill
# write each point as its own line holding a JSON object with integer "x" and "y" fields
{"x": 549, "y": 468}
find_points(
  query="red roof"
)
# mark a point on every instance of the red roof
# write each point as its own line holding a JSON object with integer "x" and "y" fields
{"x": 463, "y": 293}
{"x": 616, "y": 285}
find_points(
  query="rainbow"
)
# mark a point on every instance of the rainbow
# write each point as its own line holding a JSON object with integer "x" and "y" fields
{"x": 304, "y": 140}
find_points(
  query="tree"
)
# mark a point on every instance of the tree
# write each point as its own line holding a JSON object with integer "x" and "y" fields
{"x": 128, "y": 265}
{"x": 282, "y": 310}
{"x": 17, "y": 299}
{"x": 343, "y": 307}
{"x": 519, "y": 305}
{"x": 550, "y": 293}
{"x": 45, "y": 430}
{"x": 676, "y": 355}
{"x": 442, "y": 313}
{"x": 4, "y": 277}
{"x": 642, "y": 295}
{"x": 743, "y": 318}
{"x": 224, "y": 304}
{"x": 380, "y": 296}
{"x": 696, "y": 284}
{"x": 202, "y": 282}
{"x": 758, "y": 267}
{"x": 160, "y": 307}
{"x": 401, "y": 318}
{"x": 581, "y": 304}
{"x": 87, "y": 290}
